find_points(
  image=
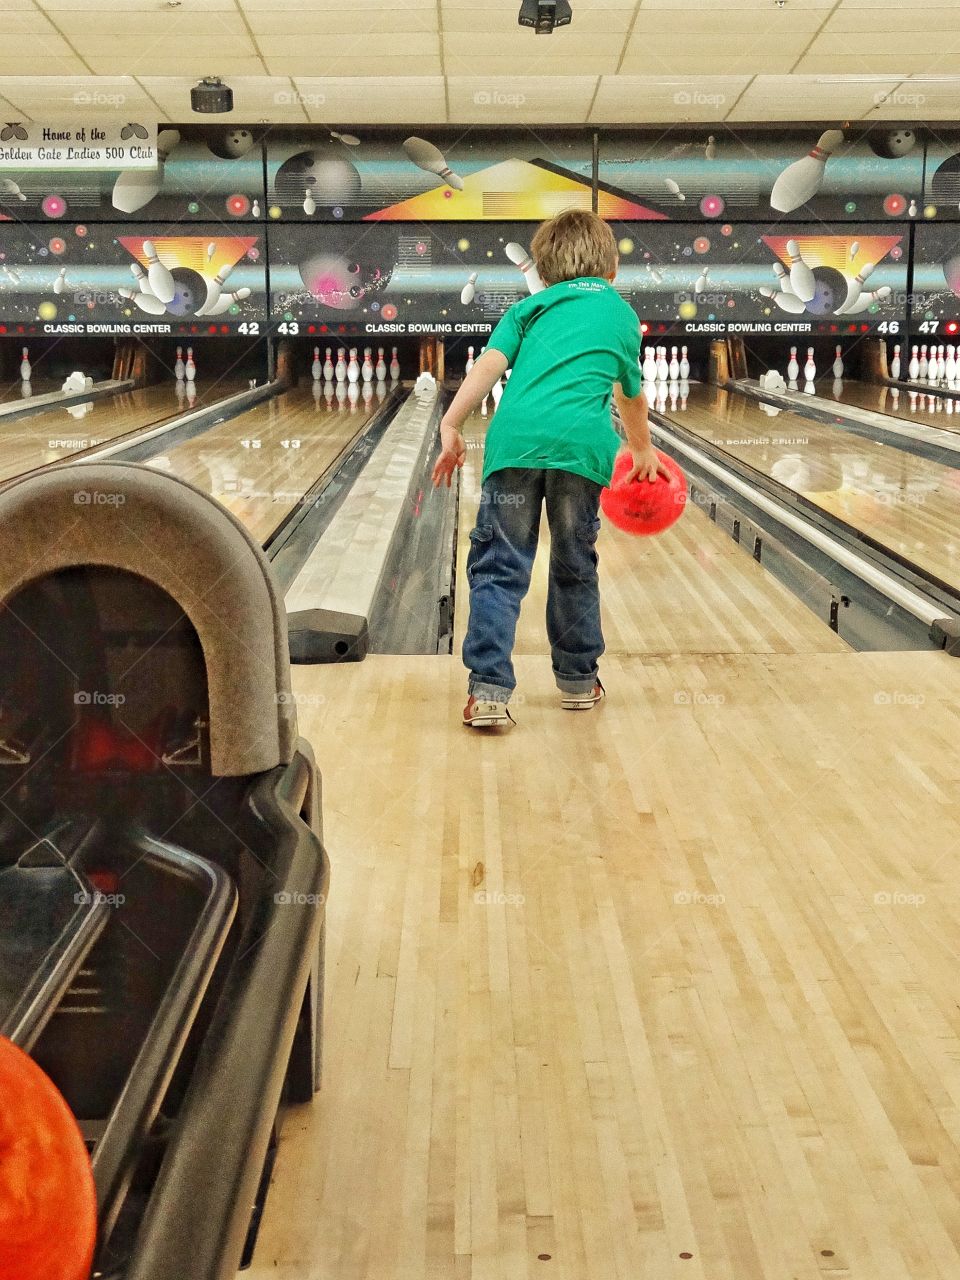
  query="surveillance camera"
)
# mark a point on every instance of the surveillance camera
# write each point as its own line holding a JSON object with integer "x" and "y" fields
{"x": 544, "y": 15}
{"x": 211, "y": 96}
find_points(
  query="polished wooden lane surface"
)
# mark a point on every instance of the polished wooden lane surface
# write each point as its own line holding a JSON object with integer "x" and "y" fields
{"x": 663, "y": 991}
{"x": 906, "y": 503}
{"x": 55, "y": 434}
{"x": 260, "y": 463}
{"x": 690, "y": 590}
{"x": 911, "y": 406}
{"x": 38, "y": 386}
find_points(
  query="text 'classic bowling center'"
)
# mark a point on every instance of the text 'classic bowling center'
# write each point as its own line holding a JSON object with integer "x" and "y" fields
{"x": 479, "y": 640}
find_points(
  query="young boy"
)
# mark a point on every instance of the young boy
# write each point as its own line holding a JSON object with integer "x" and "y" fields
{"x": 551, "y": 440}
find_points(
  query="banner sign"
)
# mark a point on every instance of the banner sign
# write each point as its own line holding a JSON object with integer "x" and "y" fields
{"x": 65, "y": 145}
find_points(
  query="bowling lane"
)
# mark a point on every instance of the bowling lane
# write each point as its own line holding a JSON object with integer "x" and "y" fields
{"x": 689, "y": 590}
{"x": 904, "y": 502}
{"x": 57, "y": 433}
{"x": 261, "y": 463}
{"x": 38, "y": 386}
{"x": 911, "y": 406}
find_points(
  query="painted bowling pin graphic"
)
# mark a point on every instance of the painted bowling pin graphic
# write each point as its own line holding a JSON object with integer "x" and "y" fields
{"x": 855, "y": 288}
{"x": 430, "y": 158}
{"x": 788, "y": 302}
{"x": 801, "y": 181}
{"x": 802, "y": 281}
{"x": 161, "y": 281}
{"x": 521, "y": 258}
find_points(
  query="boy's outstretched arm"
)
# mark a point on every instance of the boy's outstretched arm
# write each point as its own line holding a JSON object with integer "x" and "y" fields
{"x": 479, "y": 382}
{"x": 633, "y": 415}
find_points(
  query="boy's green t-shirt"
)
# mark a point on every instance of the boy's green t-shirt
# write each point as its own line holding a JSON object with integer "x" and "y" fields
{"x": 567, "y": 346}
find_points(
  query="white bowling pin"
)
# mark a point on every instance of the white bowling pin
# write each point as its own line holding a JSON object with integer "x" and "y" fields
{"x": 316, "y": 369}
{"x": 941, "y": 363}
{"x": 923, "y": 360}
{"x": 950, "y": 365}
{"x": 340, "y": 371}
{"x": 328, "y": 366}
{"x": 61, "y": 281}
{"x": 366, "y": 368}
{"x": 802, "y": 280}
{"x": 214, "y": 291}
{"x": 854, "y": 290}
{"x": 353, "y": 368}
{"x": 684, "y": 365}
{"x": 469, "y": 290}
{"x": 381, "y": 369}
{"x": 161, "y": 281}
{"x": 674, "y": 366}
{"x": 190, "y": 368}
{"x": 145, "y": 301}
{"x": 810, "y": 368}
{"x": 483, "y": 406}
{"x": 496, "y": 392}
{"x": 179, "y": 368}
{"x": 138, "y": 273}
{"x": 394, "y": 365}
{"x": 783, "y": 280}
{"x": 788, "y": 302}
{"x": 663, "y": 369}
{"x": 913, "y": 368}
{"x": 309, "y": 204}
{"x": 793, "y": 368}
{"x": 226, "y": 301}
{"x": 521, "y": 258}
{"x": 838, "y": 363}
{"x": 25, "y": 369}
{"x": 136, "y": 187}
{"x": 895, "y": 364}
{"x": 469, "y": 364}
{"x": 701, "y": 282}
{"x": 801, "y": 181}
{"x": 933, "y": 368}
{"x": 430, "y": 158}
{"x": 650, "y": 365}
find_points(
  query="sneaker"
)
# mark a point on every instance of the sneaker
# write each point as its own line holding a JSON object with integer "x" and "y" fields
{"x": 583, "y": 701}
{"x": 484, "y": 713}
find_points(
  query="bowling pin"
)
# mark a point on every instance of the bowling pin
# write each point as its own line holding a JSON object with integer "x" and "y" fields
{"x": 913, "y": 368}
{"x": 255, "y": 211}
{"x": 941, "y": 363}
{"x": 469, "y": 290}
{"x": 912, "y": 211}
{"x": 469, "y": 364}
{"x": 838, "y": 364}
{"x": 136, "y": 187}
{"x": 316, "y": 369}
{"x": 663, "y": 369}
{"x": 933, "y": 368}
{"x": 381, "y": 369}
{"x": 214, "y": 290}
{"x": 895, "y": 364}
{"x": 802, "y": 281}
{"x": 145, "y": 301}
{"x": 783, "y": 280}
{"x": 328, "y": 366}
{"x": 810, "y": 368}
{"x": 430, "y": 158}
{"x": 701, "y": 282}
{"x": 138, "y": 273}
{"x": 496, "y": 392}
{"x": 520, "y": 258}
{"x": 674, "y": 366}
{"x": 161, "y": 281}
{"x": 190, "y": 369}
{"x": 684, "y": 365}
{"x": 854, "y": 289}
{"x": 801, "y": 181}
{"x": 793, "y": 369}
{"x": 366, "y": 369}
{"x": 61, "y": 281}
{"x": 25, "y": 369}
{"x": 179, "y": 368}
{"x": 353, "y": 368}
{"x": 923, "y": 361}
{"x": 340, "y": 370}
{"x": 394, "y": 366}
{"x": 788, "y": 302}
{"x": 950, "y": 366}
{"x": 483, "y": 406}
{"x": 650, "y": 365}
{"x": 309, "y": 204}
{"x": 226, "y": 301}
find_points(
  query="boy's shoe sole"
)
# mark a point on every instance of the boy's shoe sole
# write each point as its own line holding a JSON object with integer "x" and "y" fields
{"x": 484, "y": 713}
{"x": 583, "y": 701}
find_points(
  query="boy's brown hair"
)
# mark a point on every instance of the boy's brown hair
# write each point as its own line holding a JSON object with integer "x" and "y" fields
{"x": 573, "y": 244}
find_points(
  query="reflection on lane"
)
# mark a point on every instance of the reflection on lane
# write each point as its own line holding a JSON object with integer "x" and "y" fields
{"x": 908, "y": 504}
{"x": 911, "y": 405}
{"x": 260, "y": 464}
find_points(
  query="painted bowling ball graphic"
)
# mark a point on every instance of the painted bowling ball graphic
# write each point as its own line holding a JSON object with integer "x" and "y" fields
{"x": 340, "y": 281}
{"x": 231, "y": 144}
{"x": 831, "y": 291}
{"x": 893, "y": 143}
{"x": 321, "y": 175}
{"x": 191, "y": 292}
{"x": 945, "y": 183}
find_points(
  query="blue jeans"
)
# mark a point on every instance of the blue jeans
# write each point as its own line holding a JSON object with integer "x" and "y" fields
{"x": 502, "y": 550}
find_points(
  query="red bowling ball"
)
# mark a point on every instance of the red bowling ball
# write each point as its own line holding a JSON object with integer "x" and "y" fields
{"x": 642, "y": 507}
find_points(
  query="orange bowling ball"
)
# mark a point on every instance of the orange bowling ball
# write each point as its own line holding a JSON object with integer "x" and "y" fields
{"x": 642, "y": 507}
{"x": 48, "y": 1208}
